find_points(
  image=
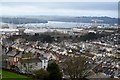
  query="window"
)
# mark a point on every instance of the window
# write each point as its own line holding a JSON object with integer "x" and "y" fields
{"x": 36, "y": 64}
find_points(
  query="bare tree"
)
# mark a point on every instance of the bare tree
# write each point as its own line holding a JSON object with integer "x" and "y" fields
{"x": 75, "y": 67}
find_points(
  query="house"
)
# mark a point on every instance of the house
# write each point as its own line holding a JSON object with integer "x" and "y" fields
{"x": 25, "y": 60}
{"x": 50, "y": 56}
{"x": 98, "y": 76}
{"x": 29, "y": 65}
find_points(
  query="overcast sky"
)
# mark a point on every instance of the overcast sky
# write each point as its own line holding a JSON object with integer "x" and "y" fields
{"x": 60, "y": 8}
{"x": 59, "y": 0}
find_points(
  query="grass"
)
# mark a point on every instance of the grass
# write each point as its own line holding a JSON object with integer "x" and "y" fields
{"x": 7, "y": 75}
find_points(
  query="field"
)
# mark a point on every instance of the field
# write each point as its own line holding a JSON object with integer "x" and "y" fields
{"x": 6, "y": 75}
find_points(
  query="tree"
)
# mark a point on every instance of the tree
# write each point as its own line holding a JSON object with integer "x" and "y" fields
{"x": 54, "y": 71}
{"x": 46, "y": 38}
{"x": 41, "y": 74}
{"x": 75, "y": 67}
{"x": 91, "y": 36}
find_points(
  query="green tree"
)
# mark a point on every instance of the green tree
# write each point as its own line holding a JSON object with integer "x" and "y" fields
{"x": 46, "y": 38}
{"x": 54, "y": 71}
{"x": 41, "y": 74}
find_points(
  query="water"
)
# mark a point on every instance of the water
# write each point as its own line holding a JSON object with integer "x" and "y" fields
{"x": 57, "y": 24}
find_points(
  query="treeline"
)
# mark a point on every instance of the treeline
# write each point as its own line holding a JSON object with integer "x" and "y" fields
{"x": 22, "y": 20}
{"x": 82, "y": 19}
{"x": 91, "y": 36}
{"x": 37, "y": 37}
{"x": 105, "y": 20}
{"x": 48, "y": 38}
{"x": 45, "y": 19}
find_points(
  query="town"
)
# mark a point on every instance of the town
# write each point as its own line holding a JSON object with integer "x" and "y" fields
{"x": 59, "y": 40}
{"x": 27, "y": 50}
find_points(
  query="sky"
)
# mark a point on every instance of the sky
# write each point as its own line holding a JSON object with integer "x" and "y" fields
{"x": 59, "y": 0}
{"x": 15, "y": 8}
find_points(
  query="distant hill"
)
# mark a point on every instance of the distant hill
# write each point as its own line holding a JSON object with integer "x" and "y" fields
{"x": 45, "y": 19}
{"x": 82, "y": 19}
{"x": 22, "y": 20}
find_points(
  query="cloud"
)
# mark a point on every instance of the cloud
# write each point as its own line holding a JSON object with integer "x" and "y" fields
{"x": 63, "y": 9}
{"x": 59, "y": 0}
{"x": 67, "y": 5}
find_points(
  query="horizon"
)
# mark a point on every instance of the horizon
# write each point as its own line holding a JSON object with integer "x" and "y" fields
{"x": 23, "y": 16}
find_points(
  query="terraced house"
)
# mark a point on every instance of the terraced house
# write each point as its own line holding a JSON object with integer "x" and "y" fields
{"x": 25, "y": 59}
